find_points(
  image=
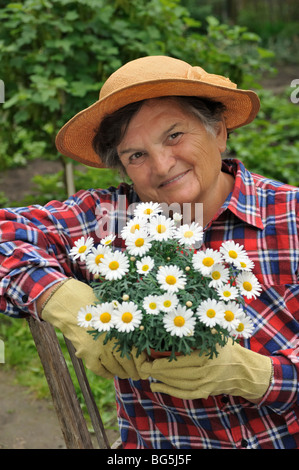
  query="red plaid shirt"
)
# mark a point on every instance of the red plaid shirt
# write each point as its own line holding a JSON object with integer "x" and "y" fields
{"x": 260, "y": 214}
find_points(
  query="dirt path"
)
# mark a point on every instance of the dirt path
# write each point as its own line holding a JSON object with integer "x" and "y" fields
{"x": 25, "y": 422}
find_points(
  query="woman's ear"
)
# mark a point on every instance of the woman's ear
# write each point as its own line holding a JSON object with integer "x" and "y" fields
{"x": 221, "y": 135}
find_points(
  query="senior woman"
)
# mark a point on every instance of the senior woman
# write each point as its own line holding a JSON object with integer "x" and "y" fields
{"x": 165, "y": 124}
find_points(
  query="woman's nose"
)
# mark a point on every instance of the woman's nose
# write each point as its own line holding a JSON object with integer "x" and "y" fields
{"x": 163, "y": 160}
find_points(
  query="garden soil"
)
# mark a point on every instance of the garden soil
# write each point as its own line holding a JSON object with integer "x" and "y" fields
{"x": 27, "y": 422}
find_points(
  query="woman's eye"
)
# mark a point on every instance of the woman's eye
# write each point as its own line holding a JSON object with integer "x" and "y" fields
{"x": 175, "y": 135}
{"x": 136, "y": 157}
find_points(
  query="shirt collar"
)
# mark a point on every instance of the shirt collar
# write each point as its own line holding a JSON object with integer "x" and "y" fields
{"x": 243, "y": 201}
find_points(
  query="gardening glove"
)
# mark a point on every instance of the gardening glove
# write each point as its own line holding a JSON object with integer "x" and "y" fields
{"x": 235, "y": 371}
{"x": 61, "y": 311}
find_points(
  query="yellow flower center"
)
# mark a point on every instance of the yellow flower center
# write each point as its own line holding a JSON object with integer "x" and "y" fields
{"x": 127, "y": 317}
{"x": 105, "y": 317}
{"x": 167, "y": 303}
{"x": 148, "y": 211}
{"x": 211, "y": 313}
{"x": 208, "y": 261}
{"x": 243, "y": 265}
{"x": 152, "y": 305}
{"x": 227, "y": 293}
{"x": 179, "y": 321}
{"x": 134, "y": 227}
{"x": 188, "y": 234}
{"x": 229, "y": 316}
{"x": 247, "y": 286}
{"x": 145, "y": 267}
{"x": 139, "y": 242}
{"x": 107, "y": 242}
{"x": 82, "y": 249}
{"x": 216, "y": 275}
{"x": 170, "y": 279}
{"x": 88, "y": 316}
{"x": 161, "y": 228}
{"x": 98, "y": 259}
{"x": 240, "y": 327}
{"x": 233, "y": 254}
{"x": 113, "y": 265}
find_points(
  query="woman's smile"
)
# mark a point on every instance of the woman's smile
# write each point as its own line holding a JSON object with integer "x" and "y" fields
{"x": 174, "y": 180}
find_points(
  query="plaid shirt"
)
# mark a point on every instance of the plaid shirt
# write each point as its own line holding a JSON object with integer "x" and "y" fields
{"x": 260, "y": 214}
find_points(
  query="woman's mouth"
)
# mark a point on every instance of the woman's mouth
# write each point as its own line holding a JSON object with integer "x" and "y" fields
{"x": 174, "y": 179}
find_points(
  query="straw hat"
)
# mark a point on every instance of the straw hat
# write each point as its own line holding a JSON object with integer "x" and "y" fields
{"x": 152, "y": 77}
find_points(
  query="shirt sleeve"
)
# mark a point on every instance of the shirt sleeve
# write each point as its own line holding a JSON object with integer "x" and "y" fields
{"x": 34, "y": 246}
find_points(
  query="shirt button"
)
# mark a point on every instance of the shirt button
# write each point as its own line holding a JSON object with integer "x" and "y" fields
{"x": 244, "y": 443}
{"x": 25, "y": 298}
{"x": 224, "y": 399}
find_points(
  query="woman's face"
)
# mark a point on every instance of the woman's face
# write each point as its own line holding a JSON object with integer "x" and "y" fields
{"x": 169, "y": 155}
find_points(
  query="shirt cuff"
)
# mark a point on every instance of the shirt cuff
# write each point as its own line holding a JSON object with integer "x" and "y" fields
{"x": 281, "y": 394}
{"x": 27, "y": 292}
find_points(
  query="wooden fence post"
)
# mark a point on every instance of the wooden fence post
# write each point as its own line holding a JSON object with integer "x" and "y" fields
{"x": 70, "y": 416}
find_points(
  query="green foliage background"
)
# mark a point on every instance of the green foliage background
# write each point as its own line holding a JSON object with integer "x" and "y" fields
{"x": 54, "y": 57}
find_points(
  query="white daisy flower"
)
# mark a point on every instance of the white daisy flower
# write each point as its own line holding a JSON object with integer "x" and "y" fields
{"x": 248, "y": 285}
{"x": 85, "y": 316}
{"x": 137, "y": 223}
{"x": 82, "y": 248}
{"x": 138, "y": 243}
{"x": 246, "y": 264}
{"x": 151, "y": 304}
{"x": 114, "y": 265}
{"x": 210, "y": 312}
{"x": 245, "y": 327}
{"x": 147, "y": 209}
{"x": 219, "y": 275}
{"x": 232, "y": 313}
{"x": 205, "y": 260}
{"x": 233, "y": 253}
{"x": 171, "y": 278}
{"x": 95, "y": 257}
{"x": 103, "y": 316}
{"x": 227, "y": 292}
{"x": 108, "y": 240}
{"x": 168, "y": 302}
{"x": 161, "y": 228}
{"x": 145, "y": 265}
{"x": 127, "y": 317}
{"x": 189, "y": 234}
{"x": 180, "y": 322}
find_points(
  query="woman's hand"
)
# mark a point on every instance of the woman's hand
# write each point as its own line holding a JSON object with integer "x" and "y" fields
{"x": 235, "y": 371}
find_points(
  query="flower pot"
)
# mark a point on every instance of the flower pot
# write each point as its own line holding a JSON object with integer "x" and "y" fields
{"x": 159, "y": 355}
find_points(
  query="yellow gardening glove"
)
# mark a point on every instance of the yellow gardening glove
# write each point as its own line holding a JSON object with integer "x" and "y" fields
{"x": 61, "y": 311}
{"x": 235, "y": 371}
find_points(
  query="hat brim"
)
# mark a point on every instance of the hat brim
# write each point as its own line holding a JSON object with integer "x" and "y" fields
{"x": 75, "y": 138}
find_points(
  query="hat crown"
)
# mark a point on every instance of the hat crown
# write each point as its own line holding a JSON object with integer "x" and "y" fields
{"x": 151, "y": 68}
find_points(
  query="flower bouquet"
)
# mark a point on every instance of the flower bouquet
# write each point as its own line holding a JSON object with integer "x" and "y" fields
{"x": 160, "y": 293}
